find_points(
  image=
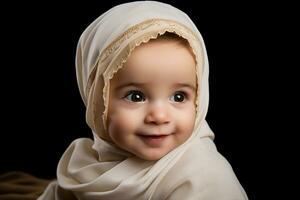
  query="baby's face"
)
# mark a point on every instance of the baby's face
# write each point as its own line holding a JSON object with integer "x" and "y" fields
{"x": 152, "y": 100}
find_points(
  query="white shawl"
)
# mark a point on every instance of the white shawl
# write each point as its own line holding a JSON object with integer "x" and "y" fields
{"x": 97, "y": 169}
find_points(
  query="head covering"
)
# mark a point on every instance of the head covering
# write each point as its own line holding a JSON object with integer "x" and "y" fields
{"x": 105, "y": 45}
{"x": 98, "y": 169}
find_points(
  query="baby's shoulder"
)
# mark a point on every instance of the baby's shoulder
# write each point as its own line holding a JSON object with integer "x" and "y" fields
{"x": 203, "y": 171}
{"x": 206, "y": 150}
{"x": 203, "y": 159}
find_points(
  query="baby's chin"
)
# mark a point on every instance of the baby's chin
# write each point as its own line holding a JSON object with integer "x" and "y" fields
{"x": 152, "y": 155}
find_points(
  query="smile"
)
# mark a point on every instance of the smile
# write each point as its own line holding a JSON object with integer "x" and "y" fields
{"x": 154, "y": 140}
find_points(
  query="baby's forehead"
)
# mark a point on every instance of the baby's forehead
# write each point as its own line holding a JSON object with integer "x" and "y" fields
{"x": 160, "y": 63}
{"x": 167, "y": 60}
{"x": 166, "y": 56}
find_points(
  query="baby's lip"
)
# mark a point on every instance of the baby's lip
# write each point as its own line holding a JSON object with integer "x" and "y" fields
{"x": 154, "y": 140}
{"x": 154, "y": 134}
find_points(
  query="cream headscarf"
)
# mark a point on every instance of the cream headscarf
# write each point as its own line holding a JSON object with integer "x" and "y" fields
{"x": 100, "y": 170}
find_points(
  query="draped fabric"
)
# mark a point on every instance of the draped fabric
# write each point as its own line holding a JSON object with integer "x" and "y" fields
{"x": 98, "y": 169}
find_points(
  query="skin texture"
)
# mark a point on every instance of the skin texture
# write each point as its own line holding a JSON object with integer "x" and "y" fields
{"x": 152, "y": 99}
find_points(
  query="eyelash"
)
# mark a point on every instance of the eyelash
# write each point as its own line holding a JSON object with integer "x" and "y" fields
{"x": 143, "y": 98}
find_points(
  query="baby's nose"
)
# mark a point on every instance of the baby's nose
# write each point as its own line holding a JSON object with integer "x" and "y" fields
{"x": 157, "y": 113}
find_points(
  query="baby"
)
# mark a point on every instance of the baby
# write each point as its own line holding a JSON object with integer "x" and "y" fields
{"x": 142, "y": 72}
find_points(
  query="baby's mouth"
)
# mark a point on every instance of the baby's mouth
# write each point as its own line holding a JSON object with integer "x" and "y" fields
{"x": 154, "y": 140}
{"x": 153, "y": 136}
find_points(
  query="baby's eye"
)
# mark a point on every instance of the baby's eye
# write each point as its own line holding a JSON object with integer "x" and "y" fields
{"x": 178, "y": 97}
{"x": 135, "y": 96}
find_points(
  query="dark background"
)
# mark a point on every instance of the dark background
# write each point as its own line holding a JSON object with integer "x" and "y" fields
{"x": 42, "y": 111}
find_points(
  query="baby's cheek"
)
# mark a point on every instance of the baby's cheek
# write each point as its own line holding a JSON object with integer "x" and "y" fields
{"x": 122, "y": 122}
{"x": 191, "y": 122}
{"x": 187, "y": 123}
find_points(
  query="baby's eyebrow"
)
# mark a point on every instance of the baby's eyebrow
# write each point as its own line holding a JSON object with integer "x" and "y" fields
{"x": 192, "y": 87}
{"x": 137, "y": 84}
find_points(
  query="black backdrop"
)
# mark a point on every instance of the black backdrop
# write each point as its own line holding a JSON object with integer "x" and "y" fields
{"x": 42, "y": 111}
